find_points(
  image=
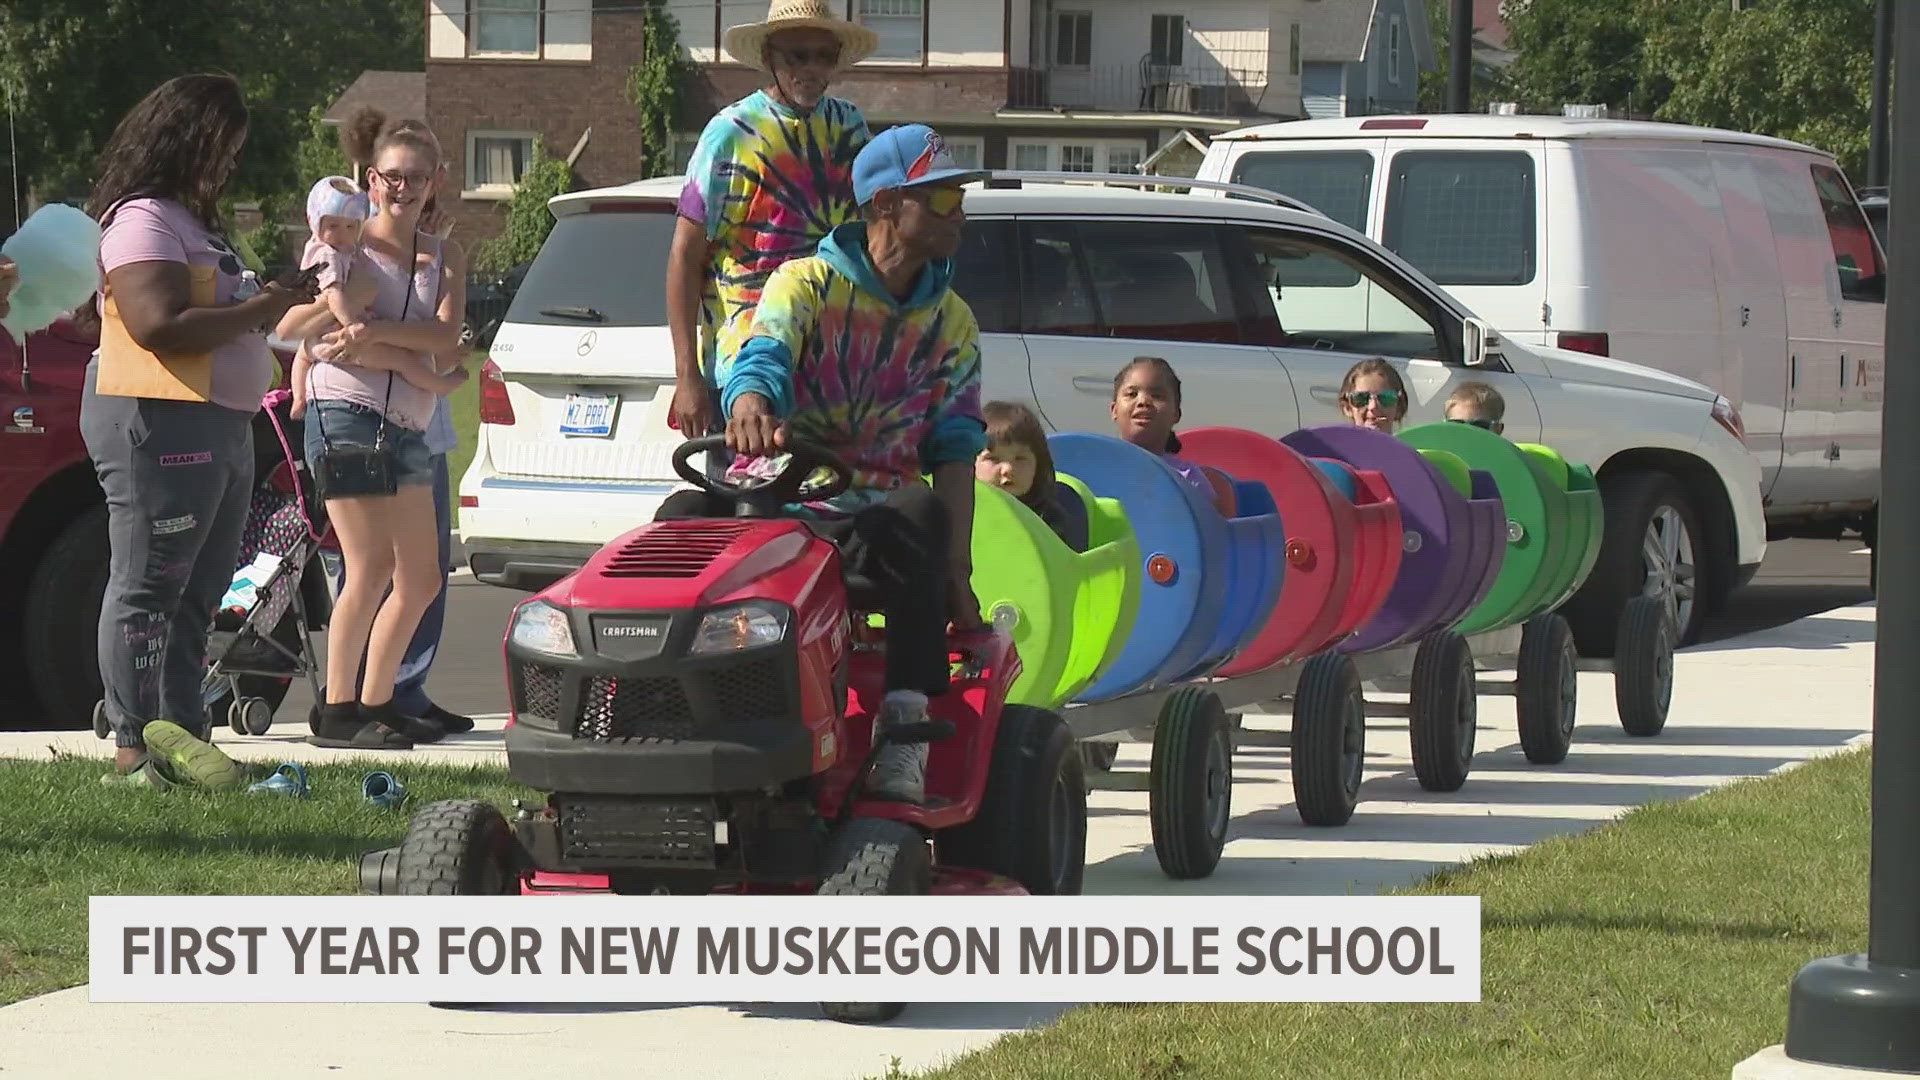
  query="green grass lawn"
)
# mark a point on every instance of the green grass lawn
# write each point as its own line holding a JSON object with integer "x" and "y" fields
{"x": 64, "y": 837}
{"x": 1659, "y": 946}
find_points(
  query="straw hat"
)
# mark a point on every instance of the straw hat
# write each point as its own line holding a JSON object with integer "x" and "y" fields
{"x": 747, "y": 43}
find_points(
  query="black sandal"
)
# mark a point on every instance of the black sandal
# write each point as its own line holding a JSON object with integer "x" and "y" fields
{"x": 340, "y": 727}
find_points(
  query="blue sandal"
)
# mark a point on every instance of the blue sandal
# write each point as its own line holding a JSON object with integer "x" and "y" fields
{"x": 290, "y": 779}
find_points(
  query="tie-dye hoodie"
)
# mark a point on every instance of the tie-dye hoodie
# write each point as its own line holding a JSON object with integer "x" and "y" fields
{"x": 892, "y": 386}
{"x": 767, "y": 183}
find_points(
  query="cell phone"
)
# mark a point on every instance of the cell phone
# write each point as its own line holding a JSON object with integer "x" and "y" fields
{"x": 306, "y": 278}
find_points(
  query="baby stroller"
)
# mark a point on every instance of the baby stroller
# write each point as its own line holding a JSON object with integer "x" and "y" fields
{"x": 262, "y": 633}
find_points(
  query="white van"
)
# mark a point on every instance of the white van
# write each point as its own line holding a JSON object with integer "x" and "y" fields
{"x": 1738, "y": 261}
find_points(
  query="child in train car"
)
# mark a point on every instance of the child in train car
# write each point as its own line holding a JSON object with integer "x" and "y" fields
{"x": 1373, "y": 395}
{"x": 1146, "y": 406}
{"x": 1017, "y": 462}
{"x": 1478, "y": 404}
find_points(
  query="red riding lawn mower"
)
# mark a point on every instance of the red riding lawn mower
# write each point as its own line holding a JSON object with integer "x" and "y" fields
{"x": 699, "y": 700}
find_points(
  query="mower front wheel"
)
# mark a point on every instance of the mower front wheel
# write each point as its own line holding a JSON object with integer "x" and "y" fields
{"x": 1032, "y": 824}
{"x": 1190, "y": 800}
{"x": 874, "y": 857}
{"x": 460, "y": 847}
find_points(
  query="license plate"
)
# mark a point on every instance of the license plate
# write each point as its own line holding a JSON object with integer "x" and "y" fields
{"x": 589, "y": 415}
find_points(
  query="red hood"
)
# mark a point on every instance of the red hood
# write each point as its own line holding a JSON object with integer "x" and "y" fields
{"x": 679, "y": 565}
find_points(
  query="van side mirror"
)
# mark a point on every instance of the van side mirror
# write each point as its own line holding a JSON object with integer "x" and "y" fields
{"x": 1481, "y": 343}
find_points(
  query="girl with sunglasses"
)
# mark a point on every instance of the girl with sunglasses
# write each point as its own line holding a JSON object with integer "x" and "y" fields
{"x": 1373, "y": 395}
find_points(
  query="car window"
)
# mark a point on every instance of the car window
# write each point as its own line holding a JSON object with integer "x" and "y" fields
{"x": 1157, "y": 280}
{"x": 1338, "y": 183}
{"x": 984, "y": 277}
{"x": 611, "y": 263}
{"x": 1463, "y": 217}
{"x": 1326, "y": 295}
{"x": 1855, "y": 257}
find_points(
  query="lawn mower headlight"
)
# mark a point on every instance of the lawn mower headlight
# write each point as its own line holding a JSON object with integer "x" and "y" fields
{"x": 540, "y": 627}
{"x": 741, "y": 626}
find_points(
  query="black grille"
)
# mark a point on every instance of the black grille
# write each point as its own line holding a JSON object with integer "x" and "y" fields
{"x": 750, "y": 691}
{"x": 634, "y": 708}
{"x": 540, "y": 691}
{"x": 636, "y": 832}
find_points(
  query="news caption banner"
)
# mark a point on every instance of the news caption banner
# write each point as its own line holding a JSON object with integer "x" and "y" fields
{"x": 485, "y": 949}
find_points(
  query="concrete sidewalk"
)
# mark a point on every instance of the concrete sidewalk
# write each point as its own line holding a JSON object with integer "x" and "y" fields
{"x": 1742, "y": 707}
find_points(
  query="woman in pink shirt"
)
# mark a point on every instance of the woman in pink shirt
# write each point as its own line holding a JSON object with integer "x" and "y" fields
{"x": 357, "y": 400}
{"x": 178, "y": 475}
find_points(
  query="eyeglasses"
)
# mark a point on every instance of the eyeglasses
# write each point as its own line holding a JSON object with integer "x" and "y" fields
{"x": 1483, "y": 424}
{"x": 940, "y": 201}
{"x": 400, "y": 179}
{"x": 825, "y": 55}
{"x": 1360, "y": 399}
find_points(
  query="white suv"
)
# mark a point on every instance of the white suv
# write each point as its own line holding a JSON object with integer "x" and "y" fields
{"x": 1260, "y": 307}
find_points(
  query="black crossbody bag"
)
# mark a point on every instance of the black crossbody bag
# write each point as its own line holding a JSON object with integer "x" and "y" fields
{"x": 349, "y": 472}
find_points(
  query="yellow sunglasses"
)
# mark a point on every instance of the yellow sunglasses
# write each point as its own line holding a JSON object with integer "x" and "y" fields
{"x": 941, "y": 201}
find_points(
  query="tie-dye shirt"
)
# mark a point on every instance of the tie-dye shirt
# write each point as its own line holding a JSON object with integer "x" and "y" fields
{"x": 892, "y": 386}
{"x": 768, "y": 184}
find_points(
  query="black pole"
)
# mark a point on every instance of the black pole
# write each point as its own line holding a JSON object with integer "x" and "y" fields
{"x": 1864, "y": 1011}
{"x": 1877, "y": 123}
{"x": 1460, "y": 58}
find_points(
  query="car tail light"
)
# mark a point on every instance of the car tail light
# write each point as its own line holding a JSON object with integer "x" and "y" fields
{"x": 1728, "y": 417}
{"x": 1587, "y": 343}
{"x": 495, "y": 406}
{"x": 468, "y": 502}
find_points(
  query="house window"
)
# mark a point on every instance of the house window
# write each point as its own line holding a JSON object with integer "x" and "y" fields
{"x": 1167, "y": 44}
{"x": 1293, "y": 49}
{"x": 1393, "y": 50}
{"x": 967, "y": 150}
{"x": 496, "y": 160}
{"x": 1072, "y": 39}
{"x": 1076, "y": 157}
{"x": 900, "y": 24}
{"x": 505, "y": 27}
{"x": 1030, "y": 156}
{"x": 1122, "y": 158}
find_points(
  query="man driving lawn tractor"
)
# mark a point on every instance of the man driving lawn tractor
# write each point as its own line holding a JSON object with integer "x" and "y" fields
{"x": 865, "y": 350}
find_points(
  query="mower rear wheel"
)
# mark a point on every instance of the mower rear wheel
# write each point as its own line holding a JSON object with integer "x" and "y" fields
{"x": 874, "y": 857}
{"x": 1190, "y": 797}
{"x": 1032, "y": 824}
{"x": 459, "y": 847}
{"x": 1329, "y": 740}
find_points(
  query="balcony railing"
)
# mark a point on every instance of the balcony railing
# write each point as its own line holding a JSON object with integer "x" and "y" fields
{"x": 1220, "y": 85}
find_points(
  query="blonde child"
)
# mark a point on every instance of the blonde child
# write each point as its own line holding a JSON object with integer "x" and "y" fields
{"x": 1478, "y": 404}
{"x": 1373, "y": 395}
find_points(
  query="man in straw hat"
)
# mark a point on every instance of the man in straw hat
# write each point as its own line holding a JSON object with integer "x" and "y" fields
{"x": 771, "y": 176}
{"x": 865, "y": 349}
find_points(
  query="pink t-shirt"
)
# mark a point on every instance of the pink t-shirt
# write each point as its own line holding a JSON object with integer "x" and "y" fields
{"x": 416, "y": 298}
{"x": 161, "y": 230}
{"x": 334, "y": 263}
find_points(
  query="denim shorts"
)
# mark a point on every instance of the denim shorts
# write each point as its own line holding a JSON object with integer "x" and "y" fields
{"x": 335, "y": 423}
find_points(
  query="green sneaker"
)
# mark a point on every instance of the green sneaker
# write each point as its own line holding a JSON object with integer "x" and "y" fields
{"x": 146, "y": 776}
{"x": 190, "y": 761}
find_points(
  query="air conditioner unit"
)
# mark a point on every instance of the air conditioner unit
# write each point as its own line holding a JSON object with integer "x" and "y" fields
{"x": 1503, "y": 108}
{"x": 1584, "y": 112}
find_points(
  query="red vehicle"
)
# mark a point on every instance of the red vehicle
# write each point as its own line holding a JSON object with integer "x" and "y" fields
{"x": 699, "y": 700}
{"x": 53, "y": 535}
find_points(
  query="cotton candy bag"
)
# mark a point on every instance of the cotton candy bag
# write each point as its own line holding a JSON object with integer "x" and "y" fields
{"x": 58, "y": 252}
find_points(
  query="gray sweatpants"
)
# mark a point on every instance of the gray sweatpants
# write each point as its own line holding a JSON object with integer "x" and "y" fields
{"x": 178, "y": 476}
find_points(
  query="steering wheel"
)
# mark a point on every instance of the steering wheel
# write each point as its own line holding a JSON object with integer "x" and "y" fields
{"x": 765, "y": 499}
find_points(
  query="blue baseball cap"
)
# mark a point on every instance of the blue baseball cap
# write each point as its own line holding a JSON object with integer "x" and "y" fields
{"x": 906, "y": 156}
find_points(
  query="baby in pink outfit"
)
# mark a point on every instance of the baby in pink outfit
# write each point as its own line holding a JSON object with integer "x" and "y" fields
{"x": 337, "y": 213}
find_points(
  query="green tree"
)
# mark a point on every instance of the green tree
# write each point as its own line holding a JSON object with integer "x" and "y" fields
{"x": 1795, "y": 69}
{"x": 655, "y": 84}
{"x": 72, "y": 68}
{"x": 528, "y": 221}
{"x": 1574, "y": 51}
